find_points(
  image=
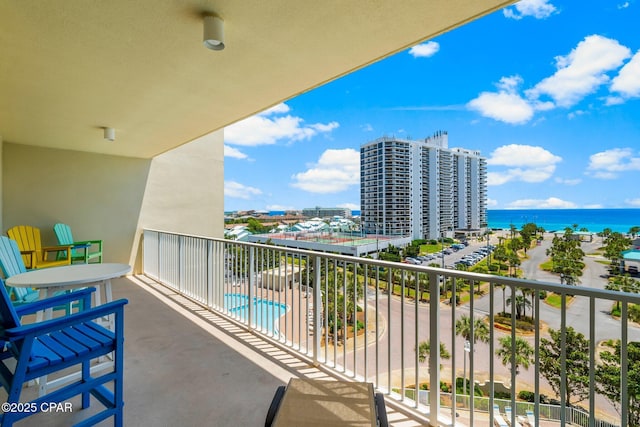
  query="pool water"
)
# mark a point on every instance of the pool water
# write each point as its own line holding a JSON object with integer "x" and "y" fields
{"x": 265, "y": 313}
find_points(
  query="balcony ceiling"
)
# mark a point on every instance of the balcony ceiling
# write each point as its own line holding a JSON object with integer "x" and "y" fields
{"x": 70, "y": 67}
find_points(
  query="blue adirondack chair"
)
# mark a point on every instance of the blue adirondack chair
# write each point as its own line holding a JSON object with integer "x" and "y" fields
{"x": 84, "y": 251}
{"x": 11, "y": 263}
{"x": 43, "y": 348}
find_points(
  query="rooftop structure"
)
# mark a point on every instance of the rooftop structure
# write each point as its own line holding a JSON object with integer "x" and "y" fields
{"x": 326, "y": 212}
{"x": 324, "y": 240}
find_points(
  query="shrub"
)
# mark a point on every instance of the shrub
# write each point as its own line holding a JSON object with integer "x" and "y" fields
{"x": 527, "y": 396}
{"x": 459, "y": 386}
{"x": 634, "y": 312}
{"x": 502, "y": 395}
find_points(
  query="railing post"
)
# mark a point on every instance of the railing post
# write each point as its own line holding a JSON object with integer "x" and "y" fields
{"x": 252, "y": 280}
{"x": 317, "y": 298}
{"x": 434, "y": 348}
{"x": 180, "y": 265}
{"x": 210, "y": 273}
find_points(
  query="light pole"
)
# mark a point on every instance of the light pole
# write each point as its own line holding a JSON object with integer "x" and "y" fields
{"x": 377, "y": 241}
{"x": 467, "y": 350}
{"x": 442, "y": 252}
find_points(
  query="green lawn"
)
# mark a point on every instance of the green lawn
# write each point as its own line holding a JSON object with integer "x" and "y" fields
{"x": 555, "y": 300}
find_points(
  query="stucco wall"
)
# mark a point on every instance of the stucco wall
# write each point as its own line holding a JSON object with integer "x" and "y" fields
{"x": 185, "y": 192}
{"x": 99, "y": 196}
{"x": 113, "y": 198}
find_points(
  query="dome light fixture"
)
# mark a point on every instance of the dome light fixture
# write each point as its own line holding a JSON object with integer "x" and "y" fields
{"x": 213, "y": 35}
{"x": 109, "y": 134}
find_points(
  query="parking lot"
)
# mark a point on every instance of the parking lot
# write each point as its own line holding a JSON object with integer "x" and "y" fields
{"x": 467, "y": 254}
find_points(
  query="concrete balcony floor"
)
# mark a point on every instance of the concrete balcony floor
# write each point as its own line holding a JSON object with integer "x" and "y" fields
{"x": 185, "y": 366}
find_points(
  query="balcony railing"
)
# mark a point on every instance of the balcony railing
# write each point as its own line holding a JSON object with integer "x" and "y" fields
{"x": 366, "y": 319}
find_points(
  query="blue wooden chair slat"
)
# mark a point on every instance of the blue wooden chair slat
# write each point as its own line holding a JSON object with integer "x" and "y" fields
{"x": 84, "y": 251}
{"x": 79, "y": 348}
{"x": 56, "y": 347}
{"x": 42, "y": 348}
{"x": 100, "y": 334}
{"x": 11, "y": 264}
{"x": 86, "y": 341}
{"x": 42, "y": 356}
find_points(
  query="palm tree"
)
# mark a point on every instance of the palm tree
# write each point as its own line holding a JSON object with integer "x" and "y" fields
{"x": 480, "y": 329}
{"x": 523, "y": 353}
{"x": 424, "y": 352}
{"x": 521, "y": 303}
{"x": 480, "y": 332}
{"x": 504, "y": 298}
{"x": 634, "y": 231}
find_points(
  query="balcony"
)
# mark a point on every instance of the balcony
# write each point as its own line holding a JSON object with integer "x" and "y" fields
{"x": 212, "y": 282}
{"x": 192, "y": 357}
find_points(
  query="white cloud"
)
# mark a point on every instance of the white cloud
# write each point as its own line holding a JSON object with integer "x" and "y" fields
{"x": 614, "y": 100}
{"x": 582, "y": 71}
{"x": 269, "y": 127}
{"x": 550, "y": 203}
{"x": 623, "y": 5}
{"x": 609, "y": 163}
{"x": 539, "y": 9}
{"x": 593, "y": 206}
{"x": 424, "y": 50}
{"x": 627, "y": 82}
{"x": 232, "y": 152}
{"x": 633, "y": 202}
{"x": 351, "y": 206}
{"x": 572, "y": 115}
{"x": 279, "y": 208}
{"x": 367, "y": 127}
{"x": 240, "y": 191}
{"x": 335, "y": 171}
{"x": 505, "y": 105}
{"x": 524, "y": 163}
{"x": 522, "y": 155}
{"x": 564, "y": 181}
{"x": 492, "y": 203}
{"x": 277, "y": 109}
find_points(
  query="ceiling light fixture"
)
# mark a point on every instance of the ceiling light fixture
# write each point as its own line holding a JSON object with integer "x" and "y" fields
{"x": 109, "y": 134}
{"x": 213, "y": 37}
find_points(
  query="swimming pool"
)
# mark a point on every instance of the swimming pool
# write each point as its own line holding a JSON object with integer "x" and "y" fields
{"x": 265, "y": 313}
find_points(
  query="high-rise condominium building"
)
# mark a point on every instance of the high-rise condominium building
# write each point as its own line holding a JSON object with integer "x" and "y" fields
{"x": 421, "y": 188}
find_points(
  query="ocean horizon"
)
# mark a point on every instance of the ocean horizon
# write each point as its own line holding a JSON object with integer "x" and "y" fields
{"x": 596, "y": 220}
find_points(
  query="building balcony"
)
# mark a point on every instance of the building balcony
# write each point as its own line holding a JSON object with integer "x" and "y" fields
{"x": 191, "y": 324}
{"x": 199, "y": 352}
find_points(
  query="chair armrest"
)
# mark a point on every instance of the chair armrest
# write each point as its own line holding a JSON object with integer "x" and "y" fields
{"x": 89, "y": 242}
{"x": 32, "y": 258}
{"x": 47, "y": 326}
{"x": 80, "y": 294}
{"x": 56, "y": 248}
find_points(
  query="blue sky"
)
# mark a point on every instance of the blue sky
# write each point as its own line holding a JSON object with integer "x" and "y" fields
{"x": 547, "y": 90}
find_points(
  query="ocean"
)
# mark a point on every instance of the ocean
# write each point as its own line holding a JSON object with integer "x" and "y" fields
{"x": 596, "y": 220}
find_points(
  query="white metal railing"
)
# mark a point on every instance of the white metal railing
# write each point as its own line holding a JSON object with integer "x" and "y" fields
{"x": 337, "y": 310}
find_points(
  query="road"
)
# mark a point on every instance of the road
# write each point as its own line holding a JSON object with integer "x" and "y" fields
{"x": 399, "y": 341}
